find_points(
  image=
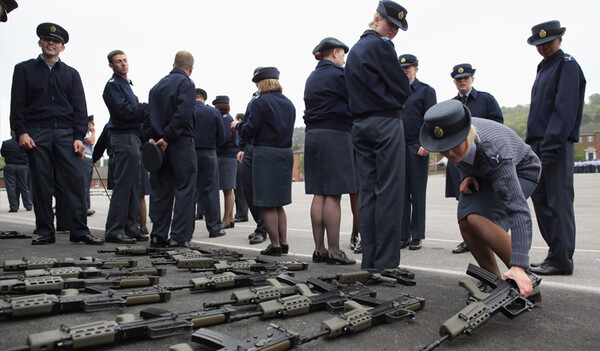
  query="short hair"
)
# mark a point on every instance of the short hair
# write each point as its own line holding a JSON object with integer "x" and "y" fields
{"x": 223, "y": 108}
{"x": 269, "y": 85}
{"x": 372, "y": 23}
{"x": 183, "y": 60}
{"x": 239, "y": 117}
{"x": 113, "y": 54}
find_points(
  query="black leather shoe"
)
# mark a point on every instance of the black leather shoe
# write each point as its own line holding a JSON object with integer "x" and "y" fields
{"x": 339, "y": 259}
{"x": 237, "y": 220}
{"x": 226, "y": 225}
{"x": 546, "y": 269}
{"x": 43, "y": 240}
{"x": 404, "y": 243}
{"x": 461, "y": 248}
{"x": 319, "y": 257}
{"x": 415, "y": 244}
{"x": 185, "y": 244}
{"x": 88, "y": 239}
{"x": 120, "y": 239}
{"x": 156, "y": 241}
{"x": 90, "y": 212}
{"x": 271, "y": 251}
{"x": 217, "y": 234}
{"x": 285, "y": 249}
{"x": 198, "y": 217}
{"x": 258, "y": 238}
{"x": 537, "y": 264}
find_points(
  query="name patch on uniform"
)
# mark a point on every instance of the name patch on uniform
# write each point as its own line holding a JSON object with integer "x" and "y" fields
{"x": 495, "y": 160}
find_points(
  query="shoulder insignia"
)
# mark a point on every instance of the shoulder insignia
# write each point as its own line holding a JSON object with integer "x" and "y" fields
{"x": 568, "y": 58}
{"x": 111, "y": 80}
{"x": 495, "y": 160}
{"x": 386, "y": 39}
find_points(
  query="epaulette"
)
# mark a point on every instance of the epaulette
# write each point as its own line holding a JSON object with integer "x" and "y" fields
{"x": 111, "y": 80}
{"x": 568, "y": 58}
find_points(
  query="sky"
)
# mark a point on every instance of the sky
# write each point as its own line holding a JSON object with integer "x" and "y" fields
{"x": 230, "y": 38}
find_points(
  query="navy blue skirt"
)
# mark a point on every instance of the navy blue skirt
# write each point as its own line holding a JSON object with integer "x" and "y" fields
{"x": 329, "y": 162}
{"x": 227, "y": 172}
{"x": 272, "y": 176}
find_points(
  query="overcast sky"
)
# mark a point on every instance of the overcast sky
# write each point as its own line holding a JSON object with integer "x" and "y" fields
{"x": 230, "y": 38}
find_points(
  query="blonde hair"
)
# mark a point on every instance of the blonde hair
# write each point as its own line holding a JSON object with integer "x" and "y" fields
{"x": 372, "y": 23}
{"x": 269, "y": 85}
{"x": 471, "y": 137}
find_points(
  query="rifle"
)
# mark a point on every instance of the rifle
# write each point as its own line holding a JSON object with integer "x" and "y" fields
{"x": 84, "y": 273}
{"x": 25, "y": 263}
{"x": 255, "y": 265}
{"x": 55, "y": 283}
{"x": 358, "y": 317}
{"x": 157, "y": 252}
{"x": 199, "y": 261}
{"x": 100, "y": 300}
{"x": 275, "y": 338}
{"x": 226, "y": 280}
{"x": 504, "y": 298}
{"x": 13, "y": 235}
{"x": 155, "y": 323}
{"x": 370, "y": 276}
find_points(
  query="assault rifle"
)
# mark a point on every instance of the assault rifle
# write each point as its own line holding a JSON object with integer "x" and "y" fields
{"x": 387, "y": 276}
{"x": 101, "y": 299}
{"x": 197, "y": 260}
{"x": 275, "y": 338}
{"x": 13, "y": 235}
{"x": 25, "y": 263}
{"x": 155, "y": 252}
{"x": 53, "y": 283}
{"x": 255, "y": 265}
{"x": 85, "y": 272}
{"x": 503, "y": 298}
{"x": 227, "y": 280}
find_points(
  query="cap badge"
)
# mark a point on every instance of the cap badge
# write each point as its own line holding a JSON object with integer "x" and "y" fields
{"x": 543, "y": 33}
{"x": 438, "y": 132}
{"x": 53, "y": 29}
{"x": 461, "y": 70}
{"x": 403, "y": 60}
{"x": 401, "y": 15}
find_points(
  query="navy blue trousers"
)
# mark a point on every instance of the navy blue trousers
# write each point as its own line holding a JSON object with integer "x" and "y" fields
{"x": 207, "y": 183}
{"x": 417, "y": 172}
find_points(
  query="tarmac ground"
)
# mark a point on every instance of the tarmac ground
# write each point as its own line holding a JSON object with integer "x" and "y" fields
{"x": 566, "y": 319}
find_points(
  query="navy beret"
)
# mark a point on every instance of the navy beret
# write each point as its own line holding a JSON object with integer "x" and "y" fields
{"x": 462, "y": 70}
{"x": 266, "y": 73}
{"x": 545, "y": 32}
{"x": 52, "y": 31}
{"x": 394, "y": 13}
{"x": 153, "y": 156}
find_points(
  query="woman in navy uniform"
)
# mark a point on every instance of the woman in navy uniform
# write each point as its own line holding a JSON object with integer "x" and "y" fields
{"x": 377, "y": 89}
{"x": 555, "y": 113}
{"x": 329, "y": 155}
{"x": 226, "y": 154}
{"x": 270, "y": 130}
{"x": 499, "y": 173}
{"x": 482, "y": 105}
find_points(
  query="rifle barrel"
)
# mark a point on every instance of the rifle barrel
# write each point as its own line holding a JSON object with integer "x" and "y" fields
{"x": 436, "y": 343}
{"x": 314, "y": 336}
{"x": 219, "y": 303}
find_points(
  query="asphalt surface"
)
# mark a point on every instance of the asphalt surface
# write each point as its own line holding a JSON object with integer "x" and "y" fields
{"x": 566, "y": 319}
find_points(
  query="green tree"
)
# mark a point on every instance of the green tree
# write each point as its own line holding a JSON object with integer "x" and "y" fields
{"x": 301, "y": 163}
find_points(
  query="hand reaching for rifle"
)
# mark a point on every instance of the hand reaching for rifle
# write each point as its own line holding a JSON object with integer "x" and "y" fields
{"x": 521, "y": 278}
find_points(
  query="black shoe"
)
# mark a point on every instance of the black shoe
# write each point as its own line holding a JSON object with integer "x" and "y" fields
{"x": 537, "y": 264}
{"x": 141, "y": 237}
{"x": 461, "y": 248}
{"x": 257, "y": 238}
{"x": 546, "y": 269}
{"x": 13, "y": 210}
{"x": 43, "y": 240}
{"x": 237, "y": 220}
{"x": 90, "y": 212}
{"x": 144, "y": 231}
{"x": 226, "y": 225}
{"x": 217, "y": 234}
{"x": 358, "y": 247}
{"x": 28, "y": 208}
{"x": 339, "y": 259}
{"x": 156, "y": 241}
{"x": 354, "y": 239}
{"x": 63, "y": 229}
{"x": 119, "y": 239}
{"x": 185, "y": 244}
{"x": 199, "y": 217}
{"x": 271, "y": 251}
{"x": 404, "y": 243}
{"x": 285, "y": 249}
{"x": 88, "y": 239}
{"x": 415, "y": 244}
{"x": 319, "y": 257}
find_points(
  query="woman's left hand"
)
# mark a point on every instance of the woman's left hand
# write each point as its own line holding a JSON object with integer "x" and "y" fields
{"x": 518, "y": 274}
{"x": 465, "y": 186}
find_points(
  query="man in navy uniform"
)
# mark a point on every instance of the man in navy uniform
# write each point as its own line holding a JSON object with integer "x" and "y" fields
{"x": 171, "y": 128}
{"x": 555, "y": 112}
{"x": 209, "y": 132}
{"x": 49, "y": 115}
{"x": 15, "y": 174}
{"x": 422, "y": 97}
{"x": 126, "y": 117}
{"x": 482, "y": 105}
{"x": 377, "y": 89}
{"x": 5, "y": 7}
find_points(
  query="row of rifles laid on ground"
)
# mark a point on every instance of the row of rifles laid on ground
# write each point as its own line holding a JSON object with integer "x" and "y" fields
{"x": 35, "y": 287}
